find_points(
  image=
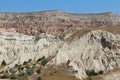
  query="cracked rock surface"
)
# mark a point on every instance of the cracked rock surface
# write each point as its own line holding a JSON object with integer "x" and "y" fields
{"x": 97, "y": 50}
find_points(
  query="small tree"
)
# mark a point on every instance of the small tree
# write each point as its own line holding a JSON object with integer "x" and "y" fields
{"x": 39, "y": 78}
{"x": 41, "y": 59}
{"x": 13, "y": 74}
{"x": 29, "y": 71}
{"x": 5, "y": 75}
{"x": 100, "y": 72}
{"x": 38, "y": 71}
{"x": 3, "y": 63}
{"x": 91, "y": 73}
{"x": 25, "y": 63}
{"x": 16, "y": 65}
{"x": 44, "y": 62}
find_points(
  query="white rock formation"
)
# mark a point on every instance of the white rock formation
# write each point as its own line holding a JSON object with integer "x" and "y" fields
{"x": 16, "y": 48}
{"x": 97, "y": 50}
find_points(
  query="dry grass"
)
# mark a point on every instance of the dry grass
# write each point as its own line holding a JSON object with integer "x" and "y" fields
{"x": 59, "y": 73}
{"x": 5, "y": 79}
{"x": 80, "y": 32}
{"x": 2, "y": 67}
{"x": 98, "y": 77}
{"x": 102, "y": 76}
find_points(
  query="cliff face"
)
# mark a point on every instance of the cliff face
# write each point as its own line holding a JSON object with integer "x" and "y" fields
{"x": 97, "y": 50}
{"x": 82, "y": 50}
{"x": 55, "y": 22}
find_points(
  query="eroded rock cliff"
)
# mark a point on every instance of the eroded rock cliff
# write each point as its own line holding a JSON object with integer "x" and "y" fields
{"x": 55, "y": 22}
{"x": 97, "y": 50}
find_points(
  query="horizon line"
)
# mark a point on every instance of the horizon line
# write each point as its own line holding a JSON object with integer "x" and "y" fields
{"x": 57, "y": 11}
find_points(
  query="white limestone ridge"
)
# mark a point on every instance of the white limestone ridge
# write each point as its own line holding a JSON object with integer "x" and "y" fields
{"x": 98, "y": 50}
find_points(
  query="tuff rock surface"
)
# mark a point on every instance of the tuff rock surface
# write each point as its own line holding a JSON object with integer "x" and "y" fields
{"x": 55, "y": 22}
{"x": 96, "y": 50}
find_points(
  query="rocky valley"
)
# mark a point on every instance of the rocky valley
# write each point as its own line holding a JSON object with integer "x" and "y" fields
{"x": 54, "y": 45}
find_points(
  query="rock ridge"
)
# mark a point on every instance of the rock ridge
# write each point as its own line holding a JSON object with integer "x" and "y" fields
{"x": 97, "y": 50}
{"x": 54, "y": 21}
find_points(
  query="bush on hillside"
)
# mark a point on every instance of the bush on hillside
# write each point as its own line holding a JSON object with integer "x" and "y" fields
{"x": 44, "y": 62}
{"x": 39, "y": 78}
{"x": 41, "y": 59}
{"x": 38, "y": 71}
{"x": 93, "y": 73}
{"x": 3, "y": 63}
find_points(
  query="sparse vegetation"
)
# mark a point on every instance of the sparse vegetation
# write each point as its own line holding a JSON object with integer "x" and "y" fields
{"x": 44, "y": 62}
{"x": 41, "y": 59}
{"x": 39, "y": 78}
{"x": 93, "y": 73}
{"x": 38, "y": 71}
{"x": 26, "y": 70}
{"x": 16, "y": 65}
{"x": 5, "y": 75}
{"x": 13, "y": 73}
{"x": 25, "y": 63}
{"x": 21, "y": 72}
{"x": 3, "y": 63}
{"x": 100, "y": 72}
{"x": 29, "y": 71}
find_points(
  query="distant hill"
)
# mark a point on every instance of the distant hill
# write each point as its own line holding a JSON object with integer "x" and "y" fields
{"x": 54, "y": 21}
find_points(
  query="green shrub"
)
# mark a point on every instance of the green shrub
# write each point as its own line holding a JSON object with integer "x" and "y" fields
{"x": 41, "y": 59}
{"x": 100, "y": 72}
{"x": 29, "y": 71}
{"x": 19, "y": 67}
{"x": 13, "y": 76}
{"x": 16, "y": 65}
{"x": 25, "y": 63}
{"x": 91, "y": 73}
{"x": 38, "y": 71}
{"x": 5, "y": 75}
{"x": 44, "y": 62}
{"x": 3, "y": 63}
{"x": 39, "y": 78}
{"x": 22, "y": 68}
{"x": 27, "y": 66}
{"x": 12, "y": 71}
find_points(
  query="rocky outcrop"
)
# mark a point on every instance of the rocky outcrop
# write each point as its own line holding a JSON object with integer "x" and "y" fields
{"x": 55, "y": 22}
{"x": 17, "y": 48}
{"x": 97, "y": 50}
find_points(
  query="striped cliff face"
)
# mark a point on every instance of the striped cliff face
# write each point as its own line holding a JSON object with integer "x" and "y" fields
{"x": 55, "y": 22}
